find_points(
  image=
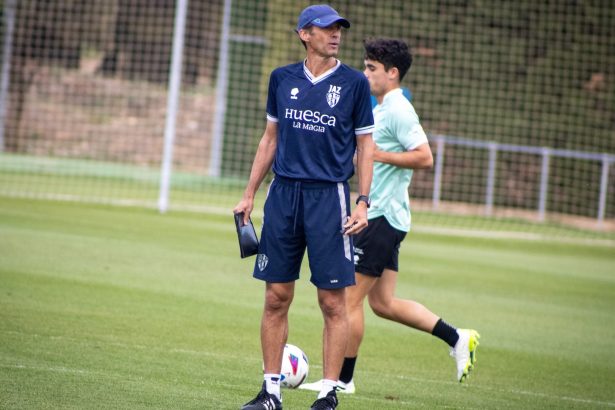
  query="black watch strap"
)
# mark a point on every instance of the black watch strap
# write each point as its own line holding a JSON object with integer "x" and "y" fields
{"x": 363, "y": 198}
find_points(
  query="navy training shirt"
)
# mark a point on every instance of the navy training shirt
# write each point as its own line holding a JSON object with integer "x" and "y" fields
{"x": 318, "y": 121}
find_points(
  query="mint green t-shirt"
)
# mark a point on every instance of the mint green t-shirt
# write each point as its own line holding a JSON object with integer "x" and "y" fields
{"x": 397, "y": 130}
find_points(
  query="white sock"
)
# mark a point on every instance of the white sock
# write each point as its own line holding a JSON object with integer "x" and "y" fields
{"x": 272, "y": 385}
{"x": 327, "y": 386}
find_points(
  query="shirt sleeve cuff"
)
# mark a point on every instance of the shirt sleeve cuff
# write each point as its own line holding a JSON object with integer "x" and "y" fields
{"x": 364, "y": 130}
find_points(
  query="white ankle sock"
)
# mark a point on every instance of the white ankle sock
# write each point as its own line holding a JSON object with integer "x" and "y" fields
{"x": 327, "y": 386}
{"x": 272, "y": 384}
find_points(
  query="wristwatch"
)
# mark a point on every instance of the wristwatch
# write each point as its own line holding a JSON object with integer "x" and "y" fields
{"x": 365, "y": 199}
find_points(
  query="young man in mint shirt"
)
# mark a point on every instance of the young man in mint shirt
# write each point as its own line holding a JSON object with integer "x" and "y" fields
{"x": 402, "y": 146}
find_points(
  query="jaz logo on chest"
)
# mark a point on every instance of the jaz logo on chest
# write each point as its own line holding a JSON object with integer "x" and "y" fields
{"x": 333, "y": 95}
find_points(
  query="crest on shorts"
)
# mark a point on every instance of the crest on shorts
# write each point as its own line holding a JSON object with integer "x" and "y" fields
{"x": 262, "y": 260}
{"x": 333, "y": 95}
{"x": 358, "y": 252}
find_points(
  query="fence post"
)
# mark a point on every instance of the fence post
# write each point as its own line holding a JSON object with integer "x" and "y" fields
{"x": 437, "y": 181}
{"x": 9, "y": 27}
{"x": 604, "y": 185}
{"x": 215, "y": 156}
{"x": 493, "y": 153}
{"x": 172, "y": 104}
{"x": 544, "y": 184}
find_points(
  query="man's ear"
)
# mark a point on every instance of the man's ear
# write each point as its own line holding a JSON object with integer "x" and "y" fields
{"x": 393, "y": 73}
{"x": 304, "y": 35}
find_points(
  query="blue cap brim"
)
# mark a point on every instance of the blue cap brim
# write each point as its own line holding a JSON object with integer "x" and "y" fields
{"x": 329, "y": 20}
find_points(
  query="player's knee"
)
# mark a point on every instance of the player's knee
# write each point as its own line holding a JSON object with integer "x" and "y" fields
{"x": 277, "y": 301}
{"x": 354, "y": 302}
{"x": 380, "y": 308}
{"x": 332, "y": 308}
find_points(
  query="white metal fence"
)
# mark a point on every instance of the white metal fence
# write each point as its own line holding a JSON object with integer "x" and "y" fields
{"x": 545, "y": 154}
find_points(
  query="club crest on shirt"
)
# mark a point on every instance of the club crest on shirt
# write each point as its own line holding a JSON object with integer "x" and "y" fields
{"x": 333, "y": 95}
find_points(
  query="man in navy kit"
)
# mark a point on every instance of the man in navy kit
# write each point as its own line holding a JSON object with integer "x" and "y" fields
{"x": 318, "y": 116}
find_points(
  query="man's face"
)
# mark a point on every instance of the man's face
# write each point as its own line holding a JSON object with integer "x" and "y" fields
{"x": 377, "y": 76}
{"x": 324, "y": 41}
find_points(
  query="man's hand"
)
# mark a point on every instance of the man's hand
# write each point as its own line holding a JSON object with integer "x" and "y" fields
{"x": 357, "y": 220}
{"x": 245, "y": 205}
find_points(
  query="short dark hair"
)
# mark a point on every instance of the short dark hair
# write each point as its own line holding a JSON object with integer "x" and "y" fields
{"x": 390, "y": 53}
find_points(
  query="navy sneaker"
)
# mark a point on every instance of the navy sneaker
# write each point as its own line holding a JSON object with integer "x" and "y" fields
{"x": 329, "y": 402}
{"x": 263, "y": 401}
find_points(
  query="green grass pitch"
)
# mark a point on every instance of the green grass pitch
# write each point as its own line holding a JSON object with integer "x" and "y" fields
{"x": 111, "y": 307}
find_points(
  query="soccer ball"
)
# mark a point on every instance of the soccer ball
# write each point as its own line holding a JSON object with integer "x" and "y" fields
{"x": 294, "y": 367}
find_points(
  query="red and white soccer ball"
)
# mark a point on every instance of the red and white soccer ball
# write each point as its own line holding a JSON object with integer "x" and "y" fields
{"x": 295, "y": 367}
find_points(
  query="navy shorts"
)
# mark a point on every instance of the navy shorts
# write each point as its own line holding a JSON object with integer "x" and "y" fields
{"x": 306, "y": 215}
{"x": 376, "y": 248}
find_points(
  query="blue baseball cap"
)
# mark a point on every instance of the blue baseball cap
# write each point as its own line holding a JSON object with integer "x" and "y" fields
{"x": 320, "y": 15}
